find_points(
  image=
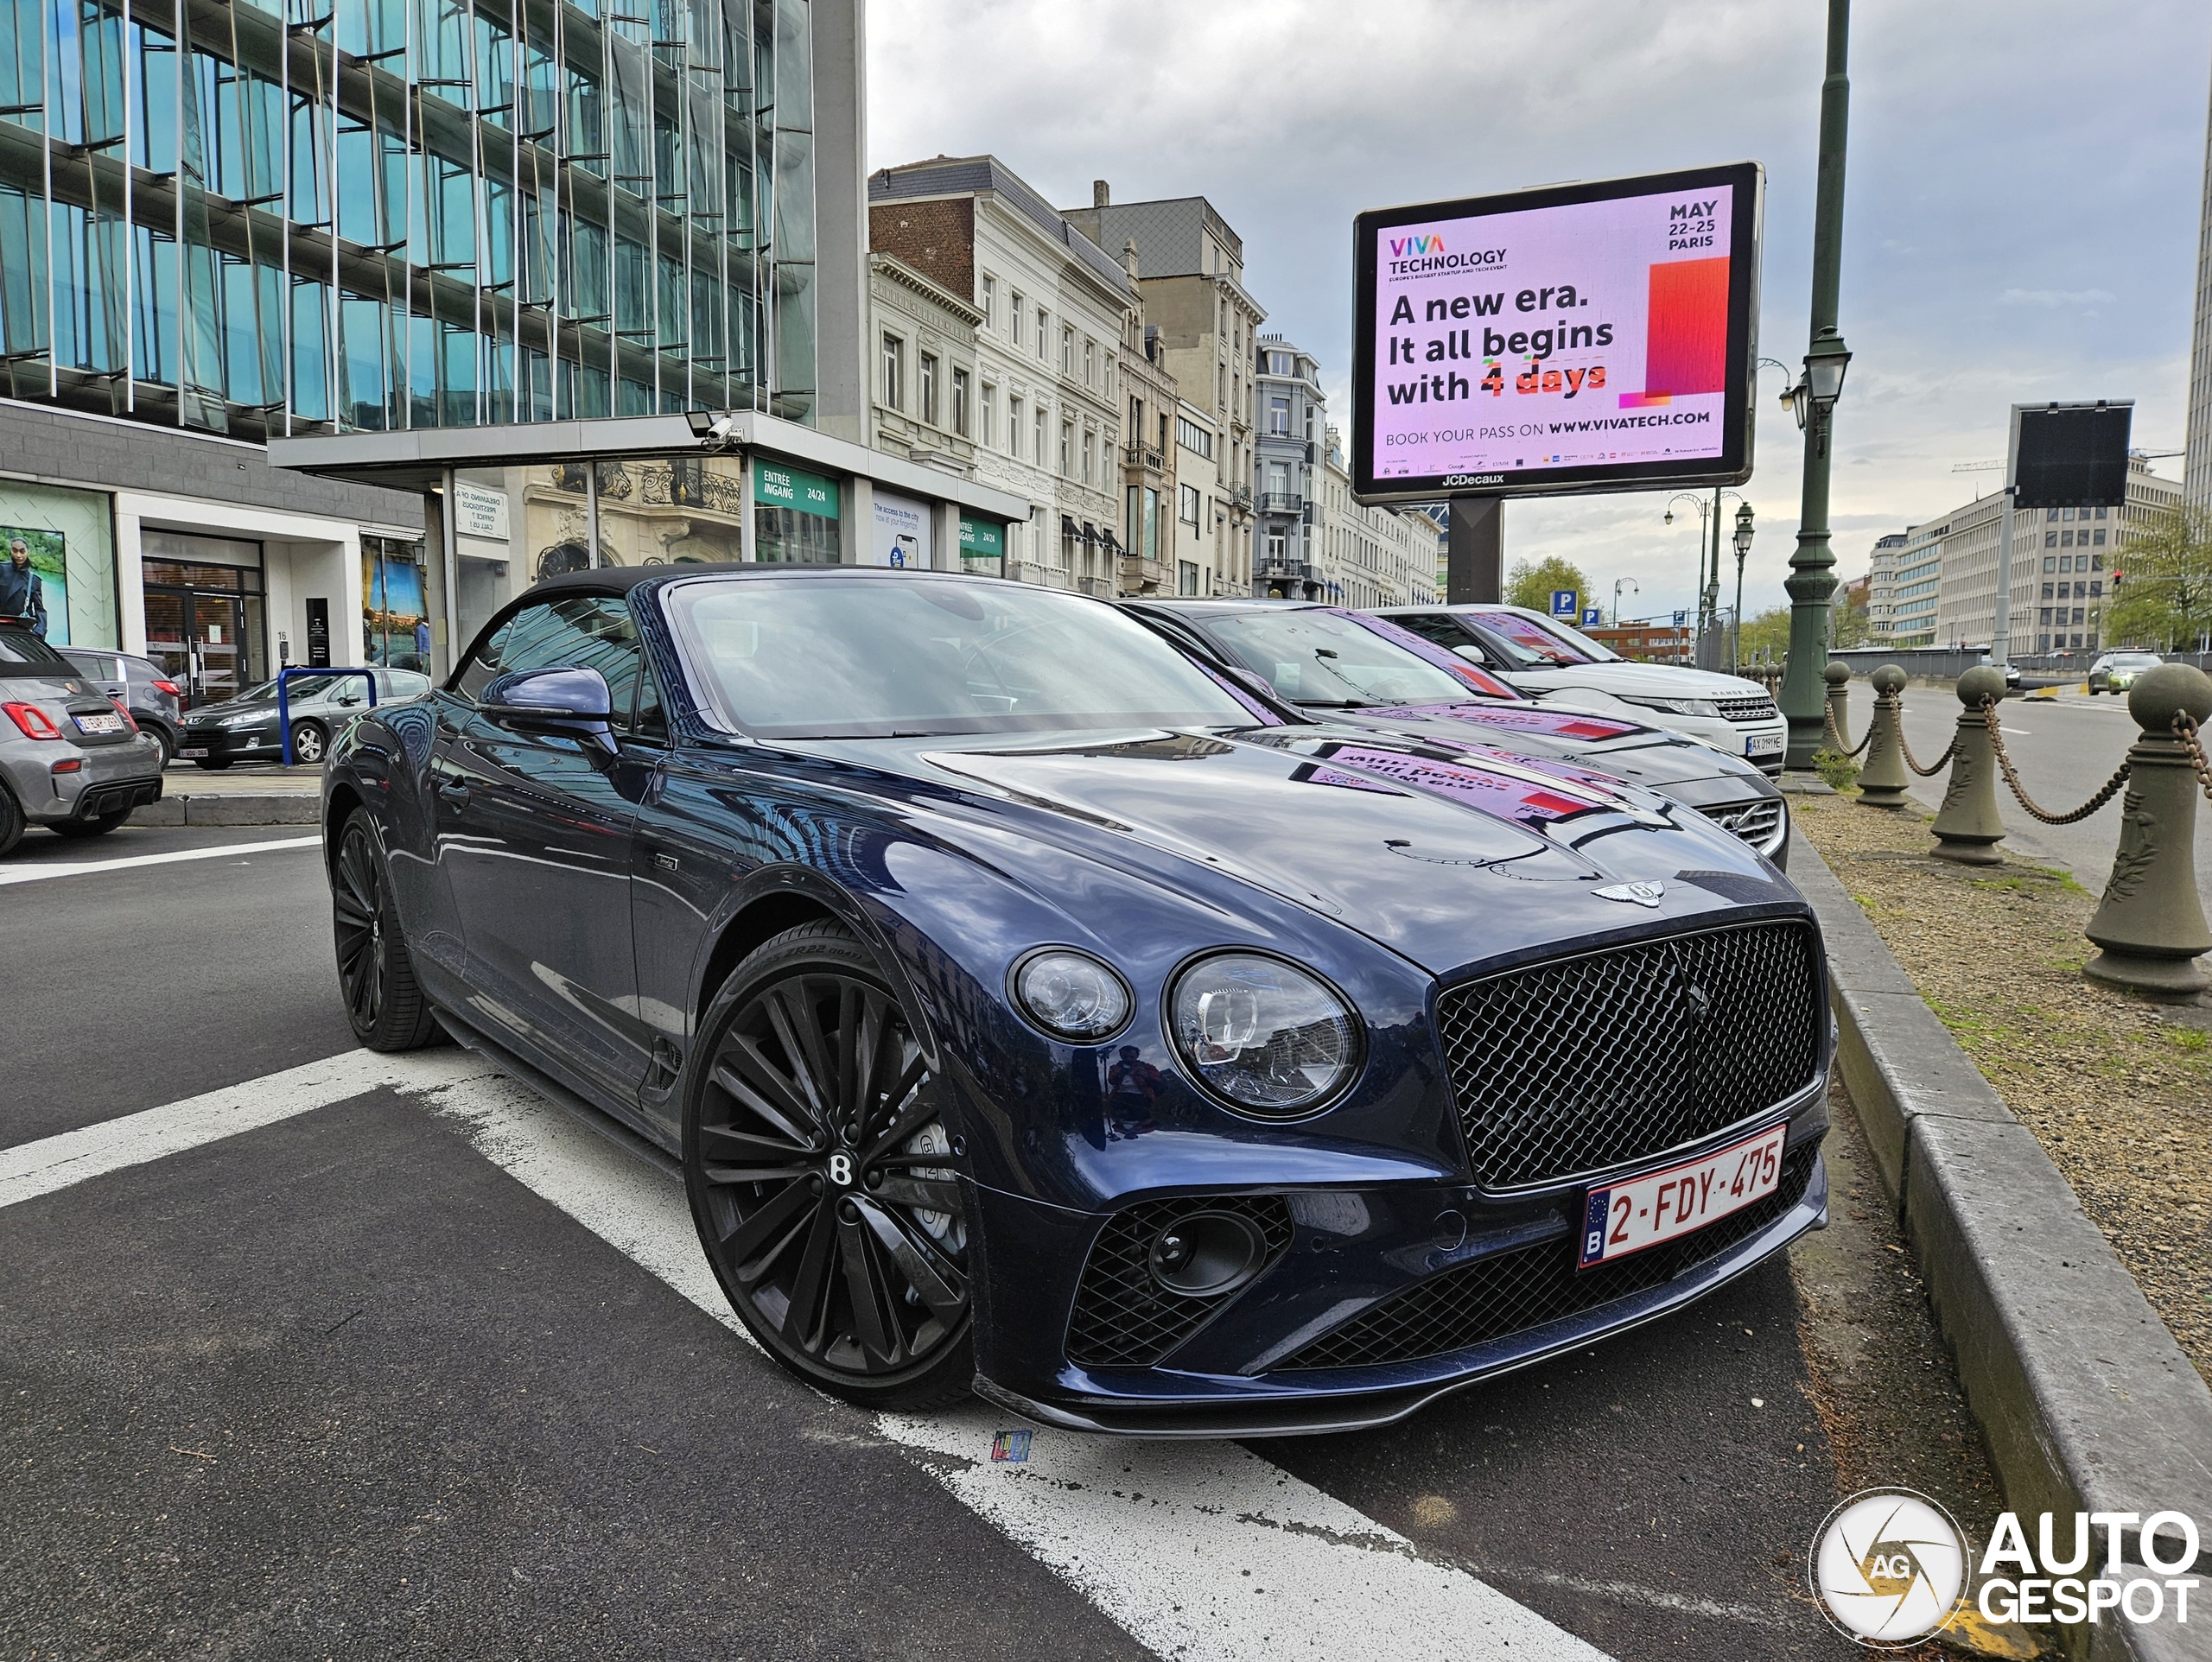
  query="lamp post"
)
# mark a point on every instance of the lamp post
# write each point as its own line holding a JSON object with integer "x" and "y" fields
{"x": 1812, "y": 566}
{"x": 1743, "y": 541}
{"x": 1708, "y": 575}
{"x": 1620, "y": 583}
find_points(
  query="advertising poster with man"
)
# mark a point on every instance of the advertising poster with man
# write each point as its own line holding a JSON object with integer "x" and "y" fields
{"x": 1563, "y": 342}
{"x": 35, "y": 580}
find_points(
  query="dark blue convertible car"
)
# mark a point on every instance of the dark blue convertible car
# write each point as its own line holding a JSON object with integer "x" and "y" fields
{"x": 1033, "y": 1011}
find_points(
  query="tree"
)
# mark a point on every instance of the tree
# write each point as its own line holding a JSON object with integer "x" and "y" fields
{"x": 1768, "y": 629}
{"x": 2162, "y": 582}
{"x": 1534, "y": 586}
{"x": 1852, "y": 625}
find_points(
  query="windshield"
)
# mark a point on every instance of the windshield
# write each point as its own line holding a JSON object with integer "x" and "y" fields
{"x": 1546, "y": 640}
{"x": 2137, "y": 661}
{"x": 1317, "y": 657}
{"x": 837, "y": 657}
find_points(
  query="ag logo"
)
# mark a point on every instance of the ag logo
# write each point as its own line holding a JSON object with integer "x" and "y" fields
{"x": 1887, "y": 1568}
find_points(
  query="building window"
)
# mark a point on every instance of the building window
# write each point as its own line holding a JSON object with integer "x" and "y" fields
{"x": 1013, "y": 316}
{"x": 989, "y": 434}
{"x": 1276, "y": 554}
{"x": 991, "y": 303}
{"x": 1221, "y": 386}
{"x": 1038, "y": 435}
{"x": 1279, "y": 417}
{"x": 894, "y": 372}
{"x": 960, "y": 403}
{"x": 1044, "y": 327}
{"x": 1187, "y": 577}
{"x": 1090, "y": 362}
{"x": 2098, "y": 538}
{"x": 1187, "y": 505}
{"x": 1067, "y": 351}
{"x": 2050, "y": 538}
{"x": 1014, "y": 428}
{"x": 928, "y": 378}
{"x": 1191, "y": 436}
{"x": 1107, "y": 389}
{"x": 1089, "y": 441}
{"x": 1067, "y": 447}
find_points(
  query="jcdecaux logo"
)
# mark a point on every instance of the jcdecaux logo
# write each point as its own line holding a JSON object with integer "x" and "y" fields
{"x": 1890, "y": 1567}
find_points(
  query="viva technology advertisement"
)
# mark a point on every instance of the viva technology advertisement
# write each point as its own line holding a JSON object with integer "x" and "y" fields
{"x": 1585, "y": 337}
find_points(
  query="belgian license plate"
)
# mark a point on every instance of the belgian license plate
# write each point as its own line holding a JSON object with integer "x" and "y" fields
{"x": 98, "y": 723}
{"x": 1628, "y": 1216}
{"x": 193, "y": 755}
{"x": 1765, "y": 744}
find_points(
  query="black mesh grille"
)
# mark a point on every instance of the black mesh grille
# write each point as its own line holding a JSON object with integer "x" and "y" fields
{"x": 1593, "y": 1062}
{"x": 1511, "y": 1292}
{"x": 1122, "y": 1316}
{"x": 1747, "y": 709}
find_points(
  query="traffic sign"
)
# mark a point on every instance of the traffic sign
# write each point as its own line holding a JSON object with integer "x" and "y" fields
{"x": 1563, "y": 601}
{"x": 1592, "y": 616}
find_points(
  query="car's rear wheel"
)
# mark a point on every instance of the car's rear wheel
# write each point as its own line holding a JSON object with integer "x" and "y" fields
{"x": 97, "y": 827}
{"x": 384, "y": 1005}
{"x": 11, "y": 822}
{"x": 159, "y": 736}
{"x": 818, "y": 1166}
{"x": 307, "y": 743}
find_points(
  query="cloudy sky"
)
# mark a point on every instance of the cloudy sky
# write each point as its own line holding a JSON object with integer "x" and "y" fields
{"x": 2022, "y": 213}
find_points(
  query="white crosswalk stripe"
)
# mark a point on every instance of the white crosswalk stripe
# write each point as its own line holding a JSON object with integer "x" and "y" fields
{"x": 14, "y": 874}
{"x": 1202, "y": 1551}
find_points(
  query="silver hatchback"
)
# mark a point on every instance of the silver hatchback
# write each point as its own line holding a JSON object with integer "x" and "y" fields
{"x": 71, "y": 759}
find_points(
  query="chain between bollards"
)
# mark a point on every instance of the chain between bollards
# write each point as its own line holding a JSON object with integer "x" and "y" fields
{"x": 1941, "y": 762}
{"x": 2104, "y": 794}
{"x": 2185, "y": 729}
{"x": 1829, "y": 712}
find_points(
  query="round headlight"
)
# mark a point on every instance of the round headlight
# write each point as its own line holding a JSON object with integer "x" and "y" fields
{"x": 1071, "y": 995}
{"x": 1263, "y": 1033}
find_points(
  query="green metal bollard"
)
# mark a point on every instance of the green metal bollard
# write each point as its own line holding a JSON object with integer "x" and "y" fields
{"x": 2151, "y": 922}
{"x": 1967, "y": 827}
{"x": 1837, "y": 673}
{"x": 1883, "y": 780}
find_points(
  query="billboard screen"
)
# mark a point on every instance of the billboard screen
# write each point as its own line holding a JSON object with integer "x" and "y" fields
{"x": 2071, "y": 456}
{"x": 1588, "y": 337}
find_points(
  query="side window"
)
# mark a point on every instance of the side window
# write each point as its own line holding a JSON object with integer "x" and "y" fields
{"x": 584, "y": 632}
{"x": 484, "y": 663}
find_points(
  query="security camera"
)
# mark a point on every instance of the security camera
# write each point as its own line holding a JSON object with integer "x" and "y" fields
{"x": 713, "y": 431}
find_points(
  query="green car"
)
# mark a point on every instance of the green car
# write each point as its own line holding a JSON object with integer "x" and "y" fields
{"x": 2115, "y": 672}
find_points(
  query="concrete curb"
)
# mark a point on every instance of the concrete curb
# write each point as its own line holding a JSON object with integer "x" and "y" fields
{"x": 2087, "y": 1402}
{"x": 232, "y": 807}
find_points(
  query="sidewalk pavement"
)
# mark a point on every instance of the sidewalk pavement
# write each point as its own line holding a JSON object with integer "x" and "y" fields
{"x": 252, "y": 795}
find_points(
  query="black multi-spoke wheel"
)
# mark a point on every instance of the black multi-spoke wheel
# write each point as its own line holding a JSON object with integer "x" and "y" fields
{"x": 385, "y": 1007}
{"x": 821, "y": 1174}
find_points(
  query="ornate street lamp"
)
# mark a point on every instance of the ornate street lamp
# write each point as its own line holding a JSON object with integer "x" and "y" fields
{"x": 1743, "y": 541}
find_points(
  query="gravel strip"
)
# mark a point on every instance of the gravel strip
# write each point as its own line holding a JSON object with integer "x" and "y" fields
{"x": 2119, "y": 1091}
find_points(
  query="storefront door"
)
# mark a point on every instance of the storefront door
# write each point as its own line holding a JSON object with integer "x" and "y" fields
{"x": 204, "y": 618}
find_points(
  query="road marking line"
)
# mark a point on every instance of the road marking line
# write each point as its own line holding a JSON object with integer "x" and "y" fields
{"x": 84, "y": 867}
{"x": 30, "y": 1170}
{"x": 1201, "y": 1552}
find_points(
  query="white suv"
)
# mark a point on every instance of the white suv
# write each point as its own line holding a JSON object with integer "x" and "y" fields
{"x": 1542, "y": 657}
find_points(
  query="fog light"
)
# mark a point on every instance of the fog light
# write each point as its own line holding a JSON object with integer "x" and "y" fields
{"x": 1207, "y": 1254}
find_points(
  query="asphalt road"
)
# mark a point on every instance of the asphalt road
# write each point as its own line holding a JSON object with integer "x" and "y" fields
{"x": 2063, "y": 748}
{"x": 405, "y": 1364}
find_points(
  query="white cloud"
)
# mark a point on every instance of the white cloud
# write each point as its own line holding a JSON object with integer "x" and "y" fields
{"x": 2050, "y": 298}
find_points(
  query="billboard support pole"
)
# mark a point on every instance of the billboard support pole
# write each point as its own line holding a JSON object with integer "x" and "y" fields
{"x": 1474, "y": 569}
{"x": 2000, "y": 627}
{"x": 1812, "y": 566}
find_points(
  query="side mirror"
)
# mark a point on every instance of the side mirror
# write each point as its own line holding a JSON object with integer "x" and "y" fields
{"x": 1469, "y": 651}
{"x": 1252, "y": 681}
{"x": 572, "y": 701}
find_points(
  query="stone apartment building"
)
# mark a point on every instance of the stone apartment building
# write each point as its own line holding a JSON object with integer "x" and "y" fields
{"x": 1052, "y": 312}
{"x": 1149, "y": 474}
{"x": 1293, "y": 413}
{"x": 1881, "y": 584}
{"x": 922, "y": 402}
{"x": 1371, "y": 556}
{"x": 1204, "y": 327}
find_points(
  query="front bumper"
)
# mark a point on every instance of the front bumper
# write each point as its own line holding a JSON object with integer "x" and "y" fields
{"x": 229, "y": 744}
{"x": 1257, "y": 1366}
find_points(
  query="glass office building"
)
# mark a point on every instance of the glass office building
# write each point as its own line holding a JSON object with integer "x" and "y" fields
{"x": 266, "y": 218}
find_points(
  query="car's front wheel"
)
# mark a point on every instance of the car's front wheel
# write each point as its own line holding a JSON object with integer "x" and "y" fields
{"x": 384, "y": 1005}
{"x": 817, "y": 1164}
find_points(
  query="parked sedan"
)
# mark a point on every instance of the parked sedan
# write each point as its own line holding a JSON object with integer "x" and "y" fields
{"x": 1030, "y": 1012}
{"x": 2115, "y": 672}
{"x": 71, "y": 759}
{"x": 1364, "y": 671}
{"x": 244, "y": 728}
{"x": 1546, "y": 658}
{"x": 155, "y": 702}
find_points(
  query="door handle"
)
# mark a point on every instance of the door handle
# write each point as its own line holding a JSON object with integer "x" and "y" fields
{"x": 453, "y": 790}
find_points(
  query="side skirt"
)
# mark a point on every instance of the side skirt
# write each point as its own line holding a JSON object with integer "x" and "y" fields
{"x": 626, "y": 1132}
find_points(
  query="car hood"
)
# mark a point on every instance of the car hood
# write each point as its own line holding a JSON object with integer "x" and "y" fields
{"x": 1627, "y": 750}
{"x": 1645, "y": 679}
{"x": 231, "y": 706}
{"x": 1420, "y": 847}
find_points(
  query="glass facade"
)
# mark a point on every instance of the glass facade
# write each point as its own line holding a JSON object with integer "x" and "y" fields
{"x": 275, "y": 217}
